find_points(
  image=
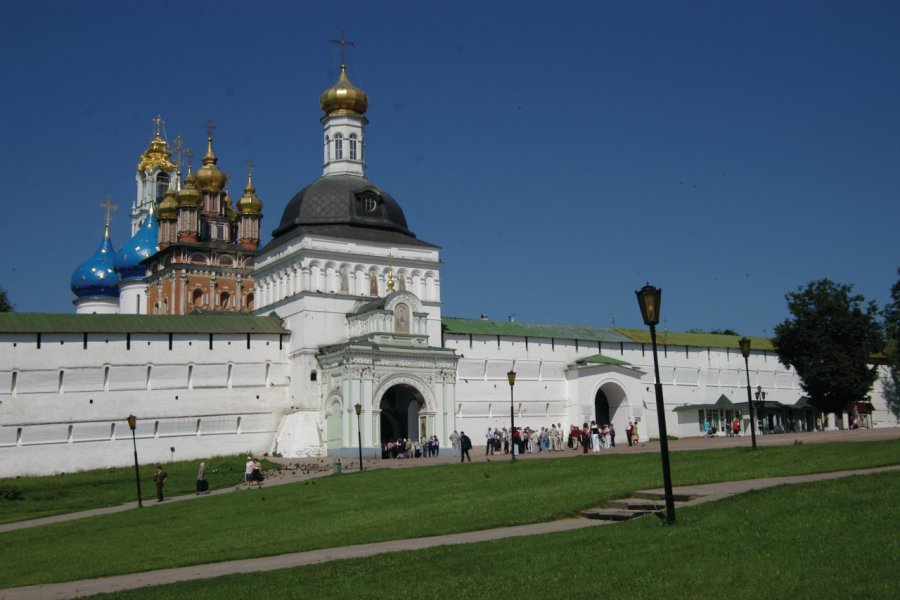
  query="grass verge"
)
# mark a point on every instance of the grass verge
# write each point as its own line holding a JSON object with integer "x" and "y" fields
{"x": 383, "y": 505}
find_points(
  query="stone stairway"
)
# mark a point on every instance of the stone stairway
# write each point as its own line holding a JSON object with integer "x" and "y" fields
{"x": 638, "y": 505}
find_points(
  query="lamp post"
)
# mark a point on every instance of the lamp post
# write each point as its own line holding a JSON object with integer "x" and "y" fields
{"x": 649, "y": 299}
{"x": 132, "y": 424}
{"x": 744, "y": 343}
{"x": 511, "y": 377}
{"x": 760, "y": 402}
{"x": 358, "y": 408}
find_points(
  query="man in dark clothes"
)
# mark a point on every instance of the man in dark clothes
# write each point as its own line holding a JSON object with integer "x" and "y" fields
{"x": 465, "y": 444}
{"x": 159, "y": 477}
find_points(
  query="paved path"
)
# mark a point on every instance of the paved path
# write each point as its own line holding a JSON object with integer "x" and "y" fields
{"x": 703, "y": 493}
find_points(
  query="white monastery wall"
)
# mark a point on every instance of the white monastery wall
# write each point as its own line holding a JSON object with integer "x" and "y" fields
{"x": 63, "y": 406}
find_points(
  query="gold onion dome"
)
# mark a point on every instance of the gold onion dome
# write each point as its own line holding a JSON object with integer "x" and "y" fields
{"x": 229, "y": 211}
{"x": 168, "y": 207}
{"x": 343, "y": 97}
{"x": 250, "y": 204}
{"x": 209, "y": 176}
{"x": 156, "y": 156}
{"x": 189, "y": 195}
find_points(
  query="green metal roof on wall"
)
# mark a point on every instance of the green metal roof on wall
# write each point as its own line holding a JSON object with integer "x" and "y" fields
{"x": 599, "y": 359}
{"x": 66, "y": 323}
{"x": 454, "y": 325}
{"x": 701, "y": 340}
{"x": 459, "y": 326}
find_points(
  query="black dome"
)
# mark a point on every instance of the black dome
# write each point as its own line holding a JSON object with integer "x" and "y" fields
{"x": 342, "y": 200}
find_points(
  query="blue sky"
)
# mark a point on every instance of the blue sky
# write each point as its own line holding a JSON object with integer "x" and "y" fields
{"x": 562, "y": 154}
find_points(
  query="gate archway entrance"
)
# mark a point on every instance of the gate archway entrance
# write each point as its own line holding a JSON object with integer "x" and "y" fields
{"x": 400, "y": 406}
{"x": 601, "y": 408}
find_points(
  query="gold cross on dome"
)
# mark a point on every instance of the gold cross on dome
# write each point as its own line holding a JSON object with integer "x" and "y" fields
{"x": 343, "y": 43}
{"x": 250, "y": 167}
{"x": 158, "y": 122}
{"x": 209, "y": 128}
{"x": 109, "y": 206}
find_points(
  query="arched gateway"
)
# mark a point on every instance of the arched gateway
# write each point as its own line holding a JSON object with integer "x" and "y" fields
{"x": 402, "y": 407}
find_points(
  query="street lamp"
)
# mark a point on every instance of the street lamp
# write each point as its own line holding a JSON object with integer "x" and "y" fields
{"x": 760, "y": 402}
{"x": 744, "y": 343}
{"x": 132, "y": 424}
{"x": 511, "y": 377}
{"x": 649, "y": 299}
{"x": 358, "y": 408}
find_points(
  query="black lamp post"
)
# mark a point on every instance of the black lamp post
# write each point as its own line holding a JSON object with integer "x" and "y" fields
{"x": 649, "y": 299}
{"x": 358, "y": 409}
{"x": 744, "y": 343}
{"x": 132, "y": 424}
{"x": 511, "y": 377}
{"x": 760, "y": 402}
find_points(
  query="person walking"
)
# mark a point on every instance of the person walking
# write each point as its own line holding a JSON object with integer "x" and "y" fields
{"x": 465, "y": 444}
{"x": 489, "y": 442}
{"x": 248, "y": 470}
{"x": 454, "y": 442}
{"x": 159, "y": 478}
{"x": 202, "y": 484}
{"x": 629, "y": 431}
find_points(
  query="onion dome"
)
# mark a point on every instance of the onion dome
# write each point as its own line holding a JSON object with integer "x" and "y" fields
{"x": 189, "y": 196}
{"x": 96, "y": 276}
{"x": 157, "y": 155}
{"x": 343, "y": 98}
{"x": 144, "y": 244}
{"x": 229, "y": 209}
{"x": 168, "y": 208}
{"x": 209, "y": 177}
{"x": 250, "y": 204}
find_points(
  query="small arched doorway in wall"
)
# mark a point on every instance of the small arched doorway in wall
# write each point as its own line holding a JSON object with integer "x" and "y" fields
{"x": 608, "y": 401}
{"x": 334, "y": 425}
{"x": 400, "y": 406}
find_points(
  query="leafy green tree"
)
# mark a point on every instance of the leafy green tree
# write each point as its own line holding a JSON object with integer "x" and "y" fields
{"x": 892, "y": 352}
{"x": 830, "y": 341}
{"x": 5, "y": 304}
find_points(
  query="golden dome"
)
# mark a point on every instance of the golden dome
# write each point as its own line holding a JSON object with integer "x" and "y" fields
{"x": 209, "y": 176}
{"x": 189, "y": 196}
{"x": 229, "y": 211}
{"x": 343, "y": 98}
{"x": 250, "y": 204}
{"x": 156, "y": 156}
{"x": 168, "y": 207}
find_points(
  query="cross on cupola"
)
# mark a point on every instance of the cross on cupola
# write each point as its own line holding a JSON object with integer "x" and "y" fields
{"x": 343, "y": 44}
{"x": 109, "y": 207}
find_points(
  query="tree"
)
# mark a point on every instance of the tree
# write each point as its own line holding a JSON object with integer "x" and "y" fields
{"x": 830, "y": 342}
{"x": 892, "y": 352}
{"x": 5, "y": 304}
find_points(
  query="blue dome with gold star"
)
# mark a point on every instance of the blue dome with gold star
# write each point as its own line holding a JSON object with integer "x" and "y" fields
{"x": 96, "y": 276}
{"x": 144, "y": 244}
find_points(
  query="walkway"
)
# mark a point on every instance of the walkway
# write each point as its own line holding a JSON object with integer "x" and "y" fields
{"x": 698, "y": 493}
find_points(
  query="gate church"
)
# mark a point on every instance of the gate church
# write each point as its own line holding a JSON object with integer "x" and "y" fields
{"x": 330, "y": 333}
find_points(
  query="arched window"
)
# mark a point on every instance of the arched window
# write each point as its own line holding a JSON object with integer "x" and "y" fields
{"x": 162, "y": 185}
{"x": 197, "y": 298}
{"x": 249, "y": 302}
{"x": 224, "y": 297}
{"x": 338, "y": 146}
{"x": 353, "y": 147}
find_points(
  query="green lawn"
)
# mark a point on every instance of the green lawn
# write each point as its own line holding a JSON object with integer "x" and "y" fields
{"x": 386, "y": 504}
{"x": 835, "y": 539}
{"x": 34, "y": 497}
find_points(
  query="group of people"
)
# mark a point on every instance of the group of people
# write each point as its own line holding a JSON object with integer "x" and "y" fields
{"x": 593, "y": 437}
{"x": 409, "y": 448}
{"x": 731, "y": 430}
{"x": 253, "y": 472}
